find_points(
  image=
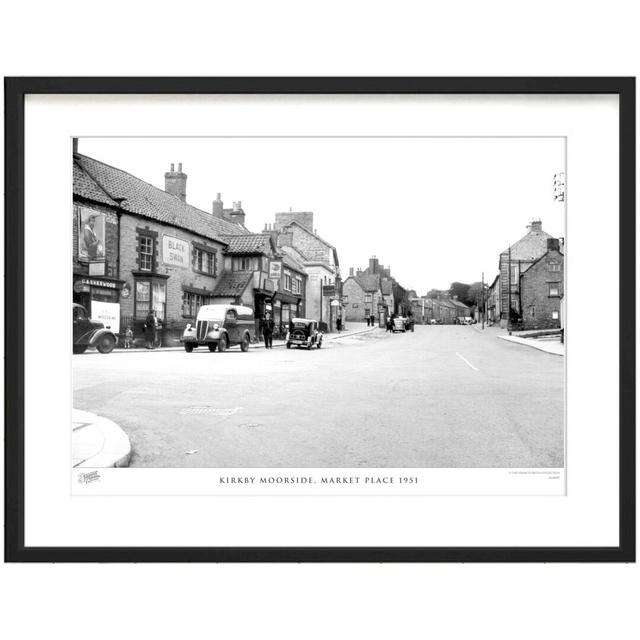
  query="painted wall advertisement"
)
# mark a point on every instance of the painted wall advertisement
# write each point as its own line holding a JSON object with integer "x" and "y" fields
{"x": 106, "y": 312}
{"x": 175, "y": 252}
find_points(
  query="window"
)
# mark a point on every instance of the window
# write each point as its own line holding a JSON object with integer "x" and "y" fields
{"x": 555, "y": 266}
{"x": 554, "y": 290}
{"x": 367, "y": 297}
{"x": 297, "y": 285}
{"x": 345, "y": 299}
{"x": 532, "y": 311}
{"x": 191, "y": 303}
{"x": 555, "y": 315}
{"x": 245, "y": 264}
{"x": 206, "y": 262}
{"x": 287, "y": 282}
{"x": 514, "y": 274}
{"x": 150, "y": 295}
{"x": 146, "y": 246}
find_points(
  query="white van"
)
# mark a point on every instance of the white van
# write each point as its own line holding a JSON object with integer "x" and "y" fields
{"x": 219, "y": 326}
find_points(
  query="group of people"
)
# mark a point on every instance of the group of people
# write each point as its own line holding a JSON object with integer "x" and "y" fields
{"x": 371, "y": 320}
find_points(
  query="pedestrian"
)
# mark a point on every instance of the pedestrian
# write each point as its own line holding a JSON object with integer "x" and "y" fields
{"x": 151, "y": 329}
{"x": 338, "y": 323}
{"x": 368, "y": 319}
{"x": 373, "y": 320}
{"x": 267, "y": 330}
{"x": 128, "y": 338}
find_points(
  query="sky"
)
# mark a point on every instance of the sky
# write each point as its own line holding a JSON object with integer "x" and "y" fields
{"x": 435, "y": 210}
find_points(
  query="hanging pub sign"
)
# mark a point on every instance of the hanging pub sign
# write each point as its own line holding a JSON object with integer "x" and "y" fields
{"x": 275, "y": 269}
{"x": 329, "y": 290}
{"x": 91, "y": 235}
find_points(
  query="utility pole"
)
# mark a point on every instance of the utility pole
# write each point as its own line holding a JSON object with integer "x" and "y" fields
{"x": 482, "y": 307}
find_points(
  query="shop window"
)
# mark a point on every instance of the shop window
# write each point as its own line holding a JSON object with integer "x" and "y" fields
{"x": 150, "y": 294}
{"x": 191, "y": 303}
{"x": 146, "y": 247}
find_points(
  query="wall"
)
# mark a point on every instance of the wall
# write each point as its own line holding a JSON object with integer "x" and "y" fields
{"x": 177, "y": 278}
{"x": 310, "y": 246}
{"x": 534, "y": 284}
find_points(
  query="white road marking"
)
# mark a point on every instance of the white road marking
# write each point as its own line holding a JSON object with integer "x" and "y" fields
{"x": 465, "y": 360}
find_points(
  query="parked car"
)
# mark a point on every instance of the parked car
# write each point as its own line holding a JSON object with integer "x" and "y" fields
{"x": 89, "y": 333}
{"x": 303, "y": 333}
{"x": 219, "y": 326}
{"x": 399, "y": 324}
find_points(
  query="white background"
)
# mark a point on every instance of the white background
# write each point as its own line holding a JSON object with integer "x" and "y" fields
{"x": 54, "y": 517}
{"x": 460, "y": 601}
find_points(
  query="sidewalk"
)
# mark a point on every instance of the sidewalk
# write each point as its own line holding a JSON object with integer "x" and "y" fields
{"x": 353, "y": 328}
{"x": 548, "y": 345}
{"x": 97, "y": 441}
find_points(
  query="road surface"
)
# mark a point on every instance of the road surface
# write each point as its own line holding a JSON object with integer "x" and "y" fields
{"x": 444, "y": 396}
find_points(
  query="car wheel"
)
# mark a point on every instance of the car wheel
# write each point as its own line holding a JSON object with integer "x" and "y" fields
{"x": 188, "y": 347}
{"x": 79, "y": 348}
{"x": 244, "y": 345}
{"x": 288, "y": 345}
{"x": 212, "y": 346}
{"x": 222, "y": 343}
{"x": 106, "y": 343}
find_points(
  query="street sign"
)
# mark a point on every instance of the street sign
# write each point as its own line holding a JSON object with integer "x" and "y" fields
{"x": 328, "y": 290}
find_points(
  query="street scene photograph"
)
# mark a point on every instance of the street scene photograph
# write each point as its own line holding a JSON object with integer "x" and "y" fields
{"x": 318, "y": 302}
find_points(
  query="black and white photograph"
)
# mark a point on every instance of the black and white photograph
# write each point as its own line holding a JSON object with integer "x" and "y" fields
{"x": 319, "y": 302}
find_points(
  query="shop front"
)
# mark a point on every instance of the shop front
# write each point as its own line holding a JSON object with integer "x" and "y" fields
{"x": 100, "y": 296}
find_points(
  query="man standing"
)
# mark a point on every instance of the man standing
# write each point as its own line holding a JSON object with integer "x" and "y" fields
{"x": 151, "y": 329}
{"x": 267, "y": 330}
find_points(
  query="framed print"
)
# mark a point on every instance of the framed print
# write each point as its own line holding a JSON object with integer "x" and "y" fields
{"x": 320, "y": 319}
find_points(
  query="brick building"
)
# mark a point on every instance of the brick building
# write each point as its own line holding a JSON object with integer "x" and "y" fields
{"x": 148, "y": 249}
{"x": 542, "y": 289}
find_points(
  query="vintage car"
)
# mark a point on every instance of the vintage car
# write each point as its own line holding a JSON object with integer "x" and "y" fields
{"x": 219, "y": 326}
{"x": 89, "y": 333}
{"x": 399, "y": 324}
{"x": 303, "y": 333}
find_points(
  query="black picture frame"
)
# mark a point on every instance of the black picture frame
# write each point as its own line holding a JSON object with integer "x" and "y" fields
{"x": 15, "y": 91}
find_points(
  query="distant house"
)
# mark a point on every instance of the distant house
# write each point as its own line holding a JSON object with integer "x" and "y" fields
{"x": 462, "y": 310}
{"x": 542, "y": 289}
{"x": 363, "y": 297}
{"x": 444, "y": 310}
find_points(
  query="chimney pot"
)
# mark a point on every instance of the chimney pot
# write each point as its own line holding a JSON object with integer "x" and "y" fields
{"x": 180, "y": 167}
{"x": 173, "y": 167}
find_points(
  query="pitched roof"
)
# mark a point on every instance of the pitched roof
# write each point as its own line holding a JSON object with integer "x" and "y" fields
{"x": 86, "y": 187}
{"x": 368, "y": 283}
{"x": 248, "y": 243}
{"x": 143, "y": 199}
{"x": 460, "y": 305}
{"x": 232, "y": 283}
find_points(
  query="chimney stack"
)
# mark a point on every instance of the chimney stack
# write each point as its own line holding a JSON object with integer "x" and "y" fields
{"x": 553, "y": 244}
{"x": 217, "y": 206}
{"x": 351, "y": 271}
{"x": 373, "y": 265}
{"x": 237, "y": 213}
{"x": 175, "y": 182}
{"x": 536, "y": 225}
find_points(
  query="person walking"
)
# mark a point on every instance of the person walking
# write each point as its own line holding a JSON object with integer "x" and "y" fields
{"x": 267, "y": 330}
{"x": 151, "y": 329}
{"x": 373, "y": 320}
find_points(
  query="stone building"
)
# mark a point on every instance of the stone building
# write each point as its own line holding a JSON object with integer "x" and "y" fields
{"x": 513, "y": 262}
{"x": 542, "y": 289}
{"x": 362, "y": 297}
{"x": 296, "y": 236}
{"x": 148, "y": 248}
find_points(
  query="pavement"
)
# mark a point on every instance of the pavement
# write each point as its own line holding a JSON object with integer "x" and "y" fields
{"x": 352, "y": 329}
{"x": 443, "y": 396}
{"x": 553, "y": 346}
{"x": 97, "y": 441}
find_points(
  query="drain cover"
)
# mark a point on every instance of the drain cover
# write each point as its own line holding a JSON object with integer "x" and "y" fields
{"x": 208, "y": 411}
